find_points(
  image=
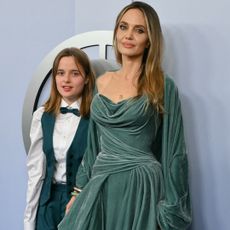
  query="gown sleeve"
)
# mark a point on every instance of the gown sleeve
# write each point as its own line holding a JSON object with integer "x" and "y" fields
{"x": 174, "y": 211}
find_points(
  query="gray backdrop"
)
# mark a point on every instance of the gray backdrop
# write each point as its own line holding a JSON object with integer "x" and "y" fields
{"x": 197, "y": 35}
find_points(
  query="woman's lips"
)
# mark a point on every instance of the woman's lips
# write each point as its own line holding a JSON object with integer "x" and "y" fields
{"x": 128, "y": 45}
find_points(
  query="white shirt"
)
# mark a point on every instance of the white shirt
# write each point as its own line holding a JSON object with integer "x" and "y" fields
{"x": 64, "y": 130}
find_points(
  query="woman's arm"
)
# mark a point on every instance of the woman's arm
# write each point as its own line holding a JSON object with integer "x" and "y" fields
{"x": 174, "y": 211}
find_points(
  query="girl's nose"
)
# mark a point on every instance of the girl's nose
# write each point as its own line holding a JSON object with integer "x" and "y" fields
{"x": 67, "y": 77}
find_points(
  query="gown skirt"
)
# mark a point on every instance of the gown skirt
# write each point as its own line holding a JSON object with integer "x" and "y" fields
{"x": 126, "y": 182}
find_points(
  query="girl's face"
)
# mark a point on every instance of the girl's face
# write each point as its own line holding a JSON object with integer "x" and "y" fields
{"x": 70, "y": 79}
{"x": 131, "y": 34}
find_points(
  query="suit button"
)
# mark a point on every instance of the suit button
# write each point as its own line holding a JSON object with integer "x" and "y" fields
{"x": 71, "y": 156}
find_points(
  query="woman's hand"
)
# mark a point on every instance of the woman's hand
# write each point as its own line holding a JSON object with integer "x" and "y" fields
{"x": 69, "y": 205}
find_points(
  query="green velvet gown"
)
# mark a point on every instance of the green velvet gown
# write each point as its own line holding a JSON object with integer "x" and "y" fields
{"x": 123, "y": 176}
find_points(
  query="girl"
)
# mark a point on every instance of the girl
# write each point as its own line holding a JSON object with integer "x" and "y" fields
{"x": 58, "y": 140}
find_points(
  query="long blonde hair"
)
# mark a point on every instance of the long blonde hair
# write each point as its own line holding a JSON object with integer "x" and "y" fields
{"x": 151, "y": 80}
{"x": 81, "y": 59}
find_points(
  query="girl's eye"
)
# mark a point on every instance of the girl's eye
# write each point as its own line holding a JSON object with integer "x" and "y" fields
{"x": 60, "y": 73}
{"x": 76, "y": 73}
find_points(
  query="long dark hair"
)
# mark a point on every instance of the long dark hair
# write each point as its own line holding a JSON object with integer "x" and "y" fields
{"x": 151, "y": 80}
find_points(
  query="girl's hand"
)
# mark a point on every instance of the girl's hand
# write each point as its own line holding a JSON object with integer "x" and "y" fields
{"x": 69, "y": 205}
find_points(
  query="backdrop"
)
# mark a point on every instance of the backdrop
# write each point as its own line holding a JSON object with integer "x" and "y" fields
{"x": 197, "y": 35}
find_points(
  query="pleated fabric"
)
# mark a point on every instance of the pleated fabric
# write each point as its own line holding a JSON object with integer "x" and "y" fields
{"x": 134, "y": 172}
{"x": 125, "y": 184}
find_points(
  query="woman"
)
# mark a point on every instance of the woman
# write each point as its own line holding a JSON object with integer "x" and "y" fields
{"x": 58, "y": 140}
{"x": 134, "y": 173}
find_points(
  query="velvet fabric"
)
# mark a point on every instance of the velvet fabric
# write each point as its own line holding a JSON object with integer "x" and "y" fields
{"x": 134, "y": 172}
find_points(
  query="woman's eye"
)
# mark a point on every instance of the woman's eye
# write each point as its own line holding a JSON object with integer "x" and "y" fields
{"x": 122, "y": 27}
{"x": 140, "y": 31}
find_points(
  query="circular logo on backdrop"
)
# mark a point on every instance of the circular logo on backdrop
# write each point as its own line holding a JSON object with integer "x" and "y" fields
{"x": 100, "y": 39}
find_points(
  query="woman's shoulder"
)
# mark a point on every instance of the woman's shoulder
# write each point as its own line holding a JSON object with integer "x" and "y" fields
{"x": 103, "y": 80}
{"x": 169, "y": 82}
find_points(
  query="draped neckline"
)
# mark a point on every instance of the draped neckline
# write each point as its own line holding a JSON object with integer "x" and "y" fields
{"x": 118, "y": 102}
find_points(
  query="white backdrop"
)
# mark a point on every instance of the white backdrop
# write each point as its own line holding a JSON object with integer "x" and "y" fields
{"x": 197, "y": 35}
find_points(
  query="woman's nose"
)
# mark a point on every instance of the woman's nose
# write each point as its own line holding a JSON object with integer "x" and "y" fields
{"x": 129, "y": 34}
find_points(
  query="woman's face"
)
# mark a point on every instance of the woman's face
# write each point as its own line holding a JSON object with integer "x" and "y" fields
{"x": 70, "y": 80}
{"x": 131, "y": 34}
